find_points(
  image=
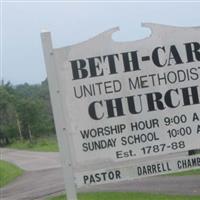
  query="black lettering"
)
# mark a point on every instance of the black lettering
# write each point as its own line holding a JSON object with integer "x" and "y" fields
{"x": 78, "y": 69}
{"x": 192, "y": 51}
{"x": 168, "y": 99}
{"x": 155, "y": 56}
{"x": 111, "y": 108}
{"x": 92, "y": 110}
{"x": 130, "y": 61}
{"x": 190, "y": 99}
{"x": 153, "y": 100}
{"x": 111, "y": 62}
{"x": 174, "y": 55}
{"x": 94, "y": 66}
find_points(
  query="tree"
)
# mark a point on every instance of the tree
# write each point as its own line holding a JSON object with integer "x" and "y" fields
{"x": 29, "y": 116}
{"x": 25, "y": 111}
{"x": 7, "y": 114}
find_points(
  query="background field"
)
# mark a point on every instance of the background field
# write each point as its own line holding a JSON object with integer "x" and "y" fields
{"x": 47, "y": 144}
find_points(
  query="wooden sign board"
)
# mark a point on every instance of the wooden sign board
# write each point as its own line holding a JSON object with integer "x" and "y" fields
{"x": 117, "y": 102}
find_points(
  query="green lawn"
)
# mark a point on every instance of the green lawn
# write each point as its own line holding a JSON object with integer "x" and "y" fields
{"x": 186, "y": 173}
{"x": 40, "y": 144}
{"x": 8, "y": 172}
{"x": 128, "y": 196}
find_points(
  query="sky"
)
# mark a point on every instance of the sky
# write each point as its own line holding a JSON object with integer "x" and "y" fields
{"x": 73, "y": 22}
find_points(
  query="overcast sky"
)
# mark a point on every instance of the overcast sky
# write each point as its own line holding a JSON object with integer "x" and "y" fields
{"x": 22, "y": 58}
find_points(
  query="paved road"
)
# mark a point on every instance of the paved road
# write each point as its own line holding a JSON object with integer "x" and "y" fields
{"x": 39, "y": 182}
{"x": 31, "y": 161}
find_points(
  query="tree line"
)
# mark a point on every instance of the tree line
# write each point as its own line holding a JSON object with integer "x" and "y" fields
{"x": 25, "y": 112}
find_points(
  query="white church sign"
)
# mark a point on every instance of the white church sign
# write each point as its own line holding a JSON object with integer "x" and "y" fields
{"x": 117, "y": 102}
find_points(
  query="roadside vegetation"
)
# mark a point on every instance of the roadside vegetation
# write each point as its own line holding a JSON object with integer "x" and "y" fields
{"x": 186, "y": 173}
{"x": 46, "y": 144}
{"x": 26, "y": 116}
{"x": 8, "y": 172}
{"x": 127, "y": 196}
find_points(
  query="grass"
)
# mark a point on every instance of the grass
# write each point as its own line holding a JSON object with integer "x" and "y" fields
{"x": 186, "y": 173}
{"x": 40, "y": 144}
{"x": 8, "y": 172}
{"x": 128, "y": 196}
